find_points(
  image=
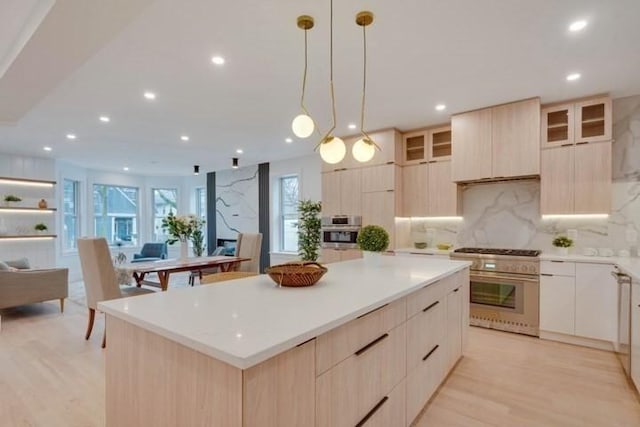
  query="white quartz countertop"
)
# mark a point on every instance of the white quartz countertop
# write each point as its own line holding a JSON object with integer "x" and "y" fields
{"x": 627, "y": 265}
{"x": 246, "y": 321}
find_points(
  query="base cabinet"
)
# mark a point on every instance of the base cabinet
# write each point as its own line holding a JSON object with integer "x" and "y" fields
{"x": 635, "y": 334}
{"x": 336, "y": 255}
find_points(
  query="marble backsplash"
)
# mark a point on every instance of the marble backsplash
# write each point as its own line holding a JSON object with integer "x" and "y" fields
{"x": 507, "y": 214}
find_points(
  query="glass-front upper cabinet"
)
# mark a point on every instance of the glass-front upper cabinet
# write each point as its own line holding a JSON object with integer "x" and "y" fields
{"x": 580, "y": 122}
{"x": 427, "y": 145}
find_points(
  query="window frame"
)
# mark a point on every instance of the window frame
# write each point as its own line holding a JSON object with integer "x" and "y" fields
{"x": 153, "y": 209}
{"x": 137, "y": 216}
{"x": 76, "y": 214}
{"x": 281, "y": 215}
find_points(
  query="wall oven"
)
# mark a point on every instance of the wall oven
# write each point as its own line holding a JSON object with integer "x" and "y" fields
{"x": 504, "y": 289}
{"x": 340, "y": 231}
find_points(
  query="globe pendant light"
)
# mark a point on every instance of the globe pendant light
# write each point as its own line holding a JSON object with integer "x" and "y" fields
{"x": 333, "y": 150}
{"x": 364, "y": 149}
{"x": 303, "y": 125}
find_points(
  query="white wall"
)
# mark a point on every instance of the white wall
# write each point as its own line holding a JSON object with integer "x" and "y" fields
{"x": 308, "y": 169}
{"x": 41, "y": 253}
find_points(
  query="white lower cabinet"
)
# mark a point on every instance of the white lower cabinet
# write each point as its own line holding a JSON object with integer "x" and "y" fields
{"x": 382, "y": 368}
{"x": 596, "y": 302}
{"x": 557, "y": 303}
{"x": 579, "y": 299}
{"x": 635, "y": 333}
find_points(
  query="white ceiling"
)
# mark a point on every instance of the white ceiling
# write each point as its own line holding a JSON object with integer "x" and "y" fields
{"x": 464, "y": 53}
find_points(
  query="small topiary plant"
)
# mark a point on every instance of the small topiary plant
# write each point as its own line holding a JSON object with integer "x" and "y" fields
{"x": 309, "y": 232}
{"x": 373, "y": 238}
{"x": 562, "y": 242}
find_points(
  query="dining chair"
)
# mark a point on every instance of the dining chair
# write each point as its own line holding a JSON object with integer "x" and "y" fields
{"x": 99, "y": 277}
{"x": 206, "y": 271}
{"x": 249, "y": 246}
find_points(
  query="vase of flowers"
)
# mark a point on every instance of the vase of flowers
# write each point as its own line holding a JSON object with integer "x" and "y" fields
{"x": 562, "y": 244}
{"x": 373, "y": 240}
{"x": 180, "y": 228}
{"x": 197, "y": 240}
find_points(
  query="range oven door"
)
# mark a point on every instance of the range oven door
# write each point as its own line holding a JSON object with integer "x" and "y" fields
{"x": 505, "y": 301}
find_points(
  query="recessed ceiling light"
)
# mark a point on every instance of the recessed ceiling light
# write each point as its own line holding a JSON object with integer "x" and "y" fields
{"x": 126, "y": 168}
{"x": 352, "y": 126}
{"x": 573, "y": 77}
{"x": 184, "y": 138}
{"x": 150, "y": 95}
{"x": 239, "y": 151}
{"x": 441, "y": 107}
{"x": 288, "y": 140}
{"x": 71, "y": 136}
{"x": 105, "y": 119}
{"x": 218, "y": 60}
{"x": 47, "y": 148}
{"x": 577, "y": 25}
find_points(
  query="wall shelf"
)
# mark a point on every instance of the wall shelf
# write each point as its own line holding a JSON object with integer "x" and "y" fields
{"x": 26, "y": 181}
{"x": 25, "y": 209}
{"x": 28, "y": 236}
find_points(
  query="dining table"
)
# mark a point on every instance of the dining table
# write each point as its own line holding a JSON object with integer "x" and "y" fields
{"x": 164, "y": 268}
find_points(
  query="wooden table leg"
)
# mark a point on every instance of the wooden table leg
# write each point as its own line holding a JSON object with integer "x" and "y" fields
{"x": 164, "y": 279}
{"x": 139, "y": 278}
{"x": 231, "y": 266}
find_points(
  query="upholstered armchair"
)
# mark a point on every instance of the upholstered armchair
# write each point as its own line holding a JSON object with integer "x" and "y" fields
{"x": 151, "y": 252}
{"x": 22, "y": 287}
{"x": 249, "y": 246}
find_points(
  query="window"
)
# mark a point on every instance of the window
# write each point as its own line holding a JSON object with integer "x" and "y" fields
{"x": 201, "y": 202}
{"x": 289, "y": 213}
{"x": 71, "y": 224}
{"x": 115, "y": 211}
{"x": 164, "y": 201}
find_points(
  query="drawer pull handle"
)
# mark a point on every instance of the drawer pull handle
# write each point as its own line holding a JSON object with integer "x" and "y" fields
{"x": 430, "y": 307}
{"x": 373, "y": 411}
{"x": 553, "y": 260}
{"x": 372, "y": 311}
{"x": 430, "y": 353}
{"x": 546, "y": 274}
{"x": 456, "y": 289}
{"x": 371, "y": 344}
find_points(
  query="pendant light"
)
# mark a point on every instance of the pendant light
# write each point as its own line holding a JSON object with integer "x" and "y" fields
{"x": 234, "y": 163}
{"x": 364, "y": 148}
{"x": 196, "y": 169}
{"x": 303, "y": 125}
{"x": 332, "y": 148}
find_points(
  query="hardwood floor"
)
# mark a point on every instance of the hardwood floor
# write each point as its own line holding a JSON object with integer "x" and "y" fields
{"x": 513, "y": 380}
{"x": 50, "y": 376}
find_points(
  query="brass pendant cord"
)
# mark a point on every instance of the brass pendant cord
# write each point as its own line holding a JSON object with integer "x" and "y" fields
{"x": 364, "y": 88}
{"x": 328, "y": 137}
{"x": 304, "y": 82}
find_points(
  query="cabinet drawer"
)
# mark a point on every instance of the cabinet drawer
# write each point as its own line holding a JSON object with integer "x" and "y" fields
{"x": 426, "y": 330}
{"x": 426, "y": 296}
{"x": 340, "y": 343}
{"x": 559, "y": 268}
{"x": 423, "y": 381}
{"x": 346, "y": 393}
{"x": 389, "y": 411}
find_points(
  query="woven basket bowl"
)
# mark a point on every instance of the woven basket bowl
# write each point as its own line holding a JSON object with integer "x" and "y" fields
{"x": 297, "y": 274}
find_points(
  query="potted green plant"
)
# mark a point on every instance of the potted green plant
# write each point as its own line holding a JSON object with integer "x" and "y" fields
{"x": 373, "y": 240}
{"x": 562, "y": 244}
{"x": 41, "y": 227}
{"x": 309, "y": 229}
{"x": 11, "y": 198}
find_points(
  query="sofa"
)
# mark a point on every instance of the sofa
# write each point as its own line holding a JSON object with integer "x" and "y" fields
{"x": 151, "y": 252}
{"x": 20, "y": 286}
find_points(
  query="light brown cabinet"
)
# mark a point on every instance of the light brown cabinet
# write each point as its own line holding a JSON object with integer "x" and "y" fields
{"x": 427, "y": 190}
{"x": 471, "y": 146}
{"x": 585, "y": 121}
{"x": 497, "y": 142}
{"x": 330, "y": 255}
{"x": 576, "y": 179}
{"x": 415, "y": 197}
{"x": 515, "y": 134}
{"x": 341, "y": 192}
{"x": 379, "y": 208}
{"x": 427, "y": 145}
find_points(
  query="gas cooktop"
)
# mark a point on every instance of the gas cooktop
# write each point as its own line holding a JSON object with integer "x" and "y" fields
{"x": 494, "y": 251}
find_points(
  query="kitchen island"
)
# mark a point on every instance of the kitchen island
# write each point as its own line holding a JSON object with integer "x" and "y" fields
{"x": 368, "y": 343}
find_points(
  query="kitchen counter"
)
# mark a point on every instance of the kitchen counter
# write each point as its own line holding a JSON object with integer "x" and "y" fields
{"x": 426, "y": 251}
{"x": 627, "y": 265}
{"x": 247, "y": 321}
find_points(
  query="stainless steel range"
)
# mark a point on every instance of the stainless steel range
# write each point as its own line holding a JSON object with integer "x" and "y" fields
{"x": 505, "y": 287}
